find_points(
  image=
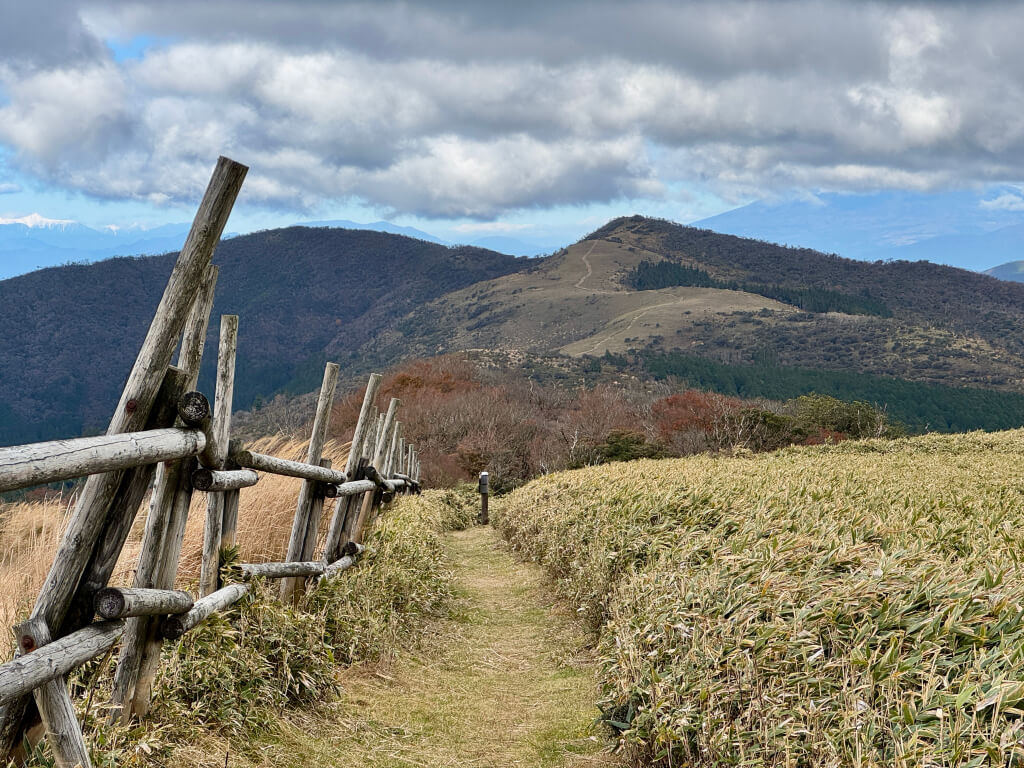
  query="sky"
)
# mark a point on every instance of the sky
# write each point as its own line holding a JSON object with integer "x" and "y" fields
{"x": 532, "y": 119}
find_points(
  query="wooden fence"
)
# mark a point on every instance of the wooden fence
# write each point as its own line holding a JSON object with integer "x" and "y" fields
{"x": 165, "y": 436}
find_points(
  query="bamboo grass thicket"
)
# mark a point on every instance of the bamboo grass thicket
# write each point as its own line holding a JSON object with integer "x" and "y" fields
{"x": 857, "y": 604}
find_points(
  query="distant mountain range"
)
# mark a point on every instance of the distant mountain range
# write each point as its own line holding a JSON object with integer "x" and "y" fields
{"x": 964, "y": 228}
{"x": 1013, "y": 270}
{"x": 969, "y": 229}
{"x": 35, "y": 242}
{"x": 636, "y": 289}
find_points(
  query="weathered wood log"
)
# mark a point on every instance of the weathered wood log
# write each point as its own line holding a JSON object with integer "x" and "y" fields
{"x": 193, "y": 338}
{"x": 276, "y": 466}
{"x": 389, "y": 456}
{"x": 194, "y": 409}
{"x": 151, "y": 641}
{"x": 229, "y": 531}
{"x": 158, "y": 555}
{"x": 316, "y": 510}
{"x": 291, "y": 588}
{"x": 122, "y": 602}
{"x": 350, "y": 555}
{"x": 369, "y": 443}
{"x": 22, "y": 466}
{"x": 174, "y": 627}
{"x": 378, "y": 479}
{"x": 212, "y": 480}
{"x": 351, "y": 488}
{"x": 350, "y": 514}
{"x": 55, "y": 706}
{"x": 220, "y": 432}
{"x": 56, "y": 659}
{"x": 123, "y": 510}
{"x": 282, "y": 570}
{"x": 363, "y": 423}
{"x": 337, "y": 531}
{"x": 216, "y": 453}
{"x": 140, "y": 392}
{"x": 378, "y": 456}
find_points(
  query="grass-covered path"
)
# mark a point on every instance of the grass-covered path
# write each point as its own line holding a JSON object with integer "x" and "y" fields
{"x": 505, "y": 682}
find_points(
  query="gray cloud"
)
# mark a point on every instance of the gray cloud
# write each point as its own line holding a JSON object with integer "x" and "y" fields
{"x": 44, "y": 34}
{"x": 470, "y": 109}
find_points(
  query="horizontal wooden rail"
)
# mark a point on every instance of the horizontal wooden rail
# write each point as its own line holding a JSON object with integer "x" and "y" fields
{"x": 277, "y": 466}
{"x": 22, "y": 466}
{"x": 223, "y": 480}
{"x": 282, "y": 570}
{"x": 174, "y": 627}
{"x": 379, "y": 479}
{"x": 26, "y": 673}
{"x": 122, "y": 602}
{"x": 351, "y": 488}
{"x": 352, "y": 551}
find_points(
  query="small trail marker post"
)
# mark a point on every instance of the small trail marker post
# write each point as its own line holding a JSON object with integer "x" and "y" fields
{"x": 485, "y": 491}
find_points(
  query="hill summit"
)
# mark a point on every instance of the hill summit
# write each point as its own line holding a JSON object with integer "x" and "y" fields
{"x": 371, "y": 299}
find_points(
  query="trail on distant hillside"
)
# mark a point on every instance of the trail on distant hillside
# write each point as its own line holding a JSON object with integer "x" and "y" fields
{"x": 590, "y": 272}
{"x": 506, "y": 682}
{"x": 634, "y": 317}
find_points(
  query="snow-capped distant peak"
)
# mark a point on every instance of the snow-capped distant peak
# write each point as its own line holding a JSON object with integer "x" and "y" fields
{"x": 35, "y": 221}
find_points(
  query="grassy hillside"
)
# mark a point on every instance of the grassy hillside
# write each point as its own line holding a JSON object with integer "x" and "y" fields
{"x": 370, "y": 300}
{"x": 857, "y": 604}
{"x": 640, "y": 283}
{"x": 303, "y": 295}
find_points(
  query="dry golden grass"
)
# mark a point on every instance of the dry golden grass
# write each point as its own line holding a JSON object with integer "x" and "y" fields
{"x": 30, "y": 532}
{"x": 265, "y": 511}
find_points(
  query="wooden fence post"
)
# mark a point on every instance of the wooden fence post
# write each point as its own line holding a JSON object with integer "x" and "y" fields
{"x": 54, "y": 704}
{"x": 291, "y": 587}
{"x": 143, "y": 384}
{"x": 345, "y": 508}
{"x": 216, "y": 454}
{"x": 485, "y": 491}
{"x": 313, "y": 523}
{"x": 378, "y": 457}
{"x": 158, "y": 551}
{"x": 133, "y": 409}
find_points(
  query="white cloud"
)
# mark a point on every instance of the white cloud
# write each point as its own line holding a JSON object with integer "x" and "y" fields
{"x": 9, "y": 188}
{"x": 1004, "y": 202}
{"x": 447, "y": 109}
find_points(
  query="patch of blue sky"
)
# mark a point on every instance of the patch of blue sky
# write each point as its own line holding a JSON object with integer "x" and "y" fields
{"x": 135, "y": 48}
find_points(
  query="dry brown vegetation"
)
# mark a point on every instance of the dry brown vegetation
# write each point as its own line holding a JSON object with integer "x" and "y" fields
{"x": 466, "y": 417}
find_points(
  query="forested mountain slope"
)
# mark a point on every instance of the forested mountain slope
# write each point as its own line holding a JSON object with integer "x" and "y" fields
{"x": 370, "y": 300}
{"x": 71, "y": 333}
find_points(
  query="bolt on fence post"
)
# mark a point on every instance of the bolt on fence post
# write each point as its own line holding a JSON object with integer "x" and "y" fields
{"x": 485, "y": 491}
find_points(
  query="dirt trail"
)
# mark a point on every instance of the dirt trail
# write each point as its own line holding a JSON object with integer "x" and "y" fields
{"x": 503, "y": 683}
{"x": 589, "y": 273}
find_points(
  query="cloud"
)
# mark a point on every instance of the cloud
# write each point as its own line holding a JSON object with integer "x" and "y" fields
{"x": 451, "y": 109}
{"x": 1004, "y": 202}
{"x": 35, "y": 35}
{"x": 9, "y": 188}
